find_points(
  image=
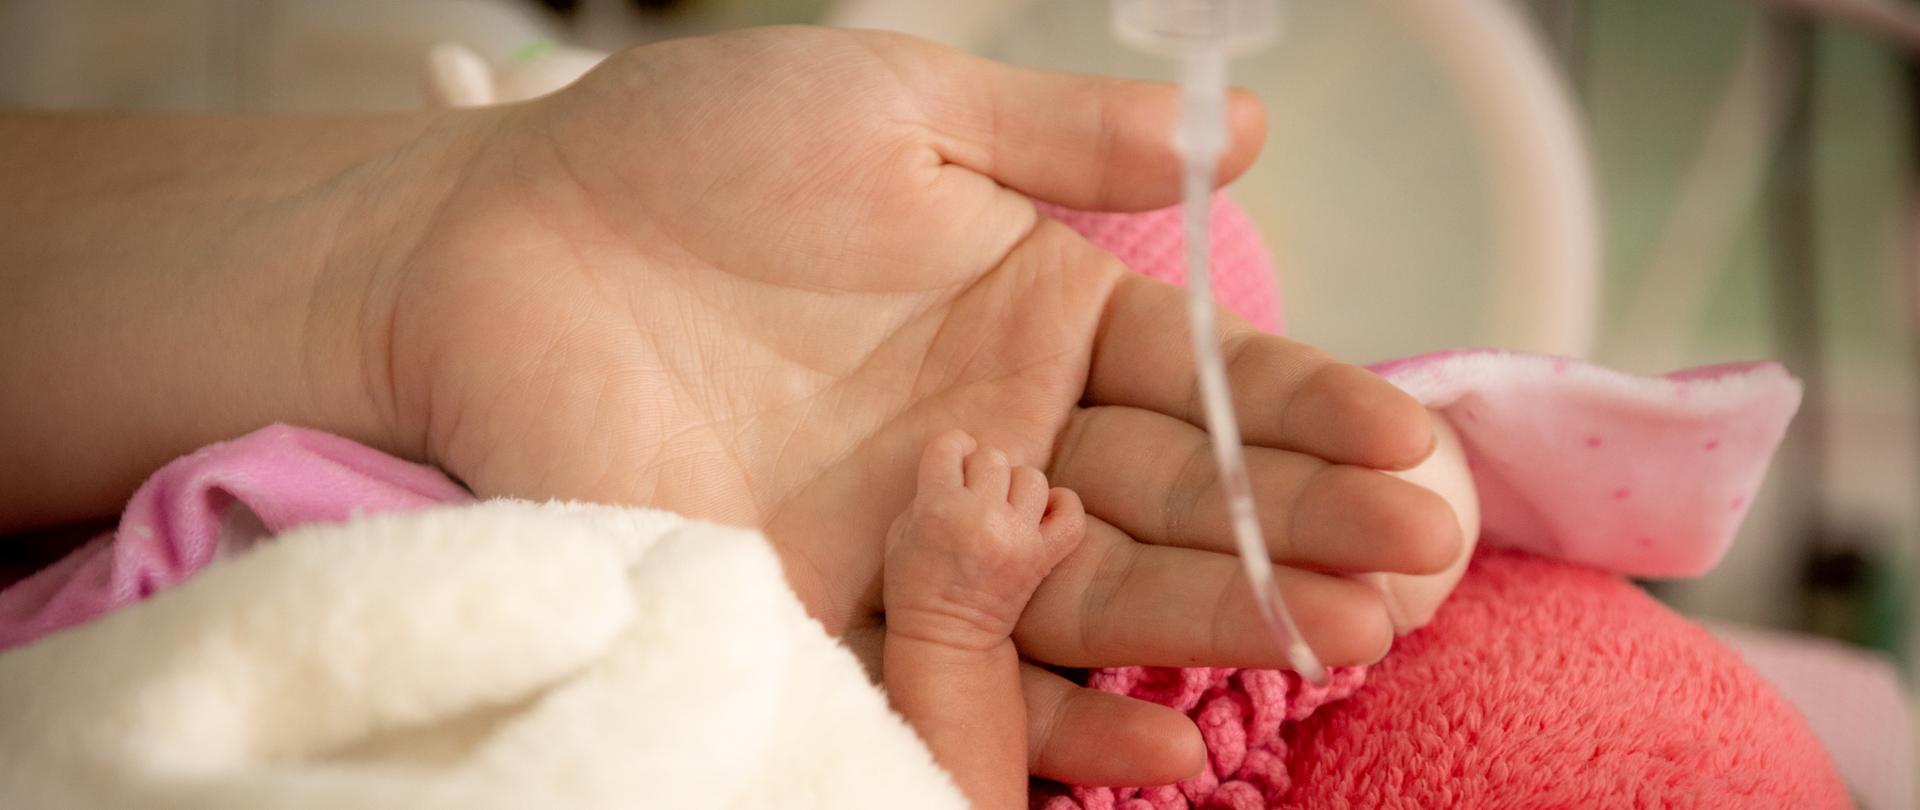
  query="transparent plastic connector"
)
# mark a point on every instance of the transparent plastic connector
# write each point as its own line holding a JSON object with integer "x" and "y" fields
{"x": 1179, "y": 27}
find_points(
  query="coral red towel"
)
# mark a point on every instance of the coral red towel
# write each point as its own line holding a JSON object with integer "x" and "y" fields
{"x": 1588, "y": 693}
{"x": 1539, "y": 685}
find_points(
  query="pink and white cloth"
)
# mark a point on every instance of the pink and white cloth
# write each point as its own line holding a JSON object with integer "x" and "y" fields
{"x": 1644, "y": 476}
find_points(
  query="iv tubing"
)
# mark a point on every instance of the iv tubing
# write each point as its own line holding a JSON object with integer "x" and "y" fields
{"x": 1202, "y": 137}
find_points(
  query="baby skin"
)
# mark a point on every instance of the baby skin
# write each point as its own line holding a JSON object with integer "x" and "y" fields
{"x": 961, "y": 563}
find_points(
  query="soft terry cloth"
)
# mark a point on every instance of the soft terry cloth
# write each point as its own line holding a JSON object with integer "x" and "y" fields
{"x": 1598, "y": 697}
{"x": 181, "y": 519}
{"x": 499, "y": 655}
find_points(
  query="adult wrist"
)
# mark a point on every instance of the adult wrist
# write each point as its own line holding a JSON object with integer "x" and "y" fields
{"x": 383, "y": 212}
{"x": 167, "y": 281}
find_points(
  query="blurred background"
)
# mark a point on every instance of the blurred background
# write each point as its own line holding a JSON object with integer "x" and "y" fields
{"x": 1649, "y": 183}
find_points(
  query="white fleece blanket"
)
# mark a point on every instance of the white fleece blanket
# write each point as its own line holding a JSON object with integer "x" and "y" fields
{"x": 499, "y": 655}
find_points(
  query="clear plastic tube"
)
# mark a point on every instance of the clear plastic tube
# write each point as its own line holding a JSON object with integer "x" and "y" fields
{"x": 1201, "y": 34}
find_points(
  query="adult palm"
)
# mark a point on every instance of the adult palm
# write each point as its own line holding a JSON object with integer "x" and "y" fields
{"x": 747, "y": 277}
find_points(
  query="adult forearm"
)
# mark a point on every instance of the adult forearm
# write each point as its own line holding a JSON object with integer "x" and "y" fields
{"x": 168, "y": 281}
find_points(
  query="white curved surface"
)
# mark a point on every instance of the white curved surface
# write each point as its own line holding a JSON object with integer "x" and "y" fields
{"x": 1547, "y": 291}
{"x": 1544, "y": 295}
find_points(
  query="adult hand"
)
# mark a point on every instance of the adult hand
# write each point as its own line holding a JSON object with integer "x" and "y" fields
{"x": 743, "y": 278}
{"x": 747, "y": 277}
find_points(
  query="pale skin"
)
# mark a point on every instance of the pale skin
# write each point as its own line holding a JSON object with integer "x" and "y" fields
{"x": 745, "y": 278}
{"x": 962, "y": 561}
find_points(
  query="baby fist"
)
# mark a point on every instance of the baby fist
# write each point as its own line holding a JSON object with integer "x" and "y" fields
{"x": 980, "y": 535}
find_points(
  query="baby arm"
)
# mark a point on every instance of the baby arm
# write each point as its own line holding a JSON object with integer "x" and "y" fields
{"x": 961, "y": 563}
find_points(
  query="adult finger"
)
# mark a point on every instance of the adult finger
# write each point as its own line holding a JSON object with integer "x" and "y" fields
{"x": 1313, "y": 514}
{"x": 1087, "y": 737}
{"x": 1089, "y": 142}
{"x": 1286, "y": 394}
{"x": 1079, "y": 735}
{"x": 1116, "y": 601}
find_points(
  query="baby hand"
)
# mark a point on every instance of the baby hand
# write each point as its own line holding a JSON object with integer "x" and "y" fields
{"x": 961, "y": 563}
{"x": 980, "y": 535}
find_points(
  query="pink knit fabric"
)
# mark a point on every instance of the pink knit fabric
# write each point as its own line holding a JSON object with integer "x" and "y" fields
{"x": 1240, "y": 713}
{"x": 1152, "y": 244}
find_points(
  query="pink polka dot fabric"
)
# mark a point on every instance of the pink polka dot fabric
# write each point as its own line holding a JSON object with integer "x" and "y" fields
{"x": 1646, "y": 476}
